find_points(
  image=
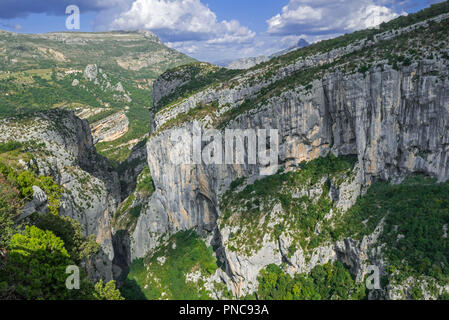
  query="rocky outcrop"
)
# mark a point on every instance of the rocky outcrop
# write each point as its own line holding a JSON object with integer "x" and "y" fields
{"x": 90, "y": 72}
{"x": 38, "y": 204}
{"x": 91, "y": 189}
{"x": 110, "y": 128}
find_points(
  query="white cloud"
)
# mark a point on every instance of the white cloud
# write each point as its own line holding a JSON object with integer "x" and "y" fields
{"x": 320, "y": 17}
{"x": 191, "y": 27}
{"x": 181, "y": 20}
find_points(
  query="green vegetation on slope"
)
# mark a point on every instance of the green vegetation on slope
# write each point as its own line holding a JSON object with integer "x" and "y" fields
{"x": 139, "y": 128}
{"x": 129, "y": 54}
{"x": 24, "y": 95}
{"x": 250, "y": 209}
{"x": 24, "y": 180}
{"x": 162, "y": 275}
{"x": 37, "y": 256}
{"x": 416, "y": 218}
{"x": 325, "y": 282}
{"x": 37, "y": 72}
{"x": 199, "y": 75}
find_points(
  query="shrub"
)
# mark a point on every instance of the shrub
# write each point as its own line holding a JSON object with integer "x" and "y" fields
{"x": 106, "y": 291}
{"x": 37, "y": 264}
{"x": 325, "y": 282}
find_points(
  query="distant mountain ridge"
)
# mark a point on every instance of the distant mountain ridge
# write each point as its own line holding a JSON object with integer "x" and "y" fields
{"x": 126, "y": 63}
{"x": 247, "y": 63}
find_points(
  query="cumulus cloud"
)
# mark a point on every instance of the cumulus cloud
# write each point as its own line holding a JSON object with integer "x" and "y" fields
{"x": 22, "y": 8}
{"x": 191, "y": 27}
{"x": 322, "y": 17}
{"x": 181, "y": 20}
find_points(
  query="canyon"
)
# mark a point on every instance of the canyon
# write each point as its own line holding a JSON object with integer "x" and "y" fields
{"x": 360, "y": 119}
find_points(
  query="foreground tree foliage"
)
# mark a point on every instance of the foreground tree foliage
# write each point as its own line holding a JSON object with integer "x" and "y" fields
{"x": 36, "y": 265}
{"x": 35, "y": 269}
{"x": 10, "y": 205}
{"x": 106, "y": 291}
{"x": 70, "y": 231}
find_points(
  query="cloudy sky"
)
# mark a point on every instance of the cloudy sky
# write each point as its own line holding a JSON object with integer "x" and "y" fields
{"x": 212, "y": 30}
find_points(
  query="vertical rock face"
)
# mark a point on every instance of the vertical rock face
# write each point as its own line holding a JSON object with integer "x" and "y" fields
{"x": 395, "y": 121}
{"x": 91, "y": 188}
{"x": 393, "y": 118}
{"x": 131, "y": 168}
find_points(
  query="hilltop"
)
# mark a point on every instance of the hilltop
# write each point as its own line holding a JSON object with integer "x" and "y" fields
{"x": 104, "y": 77}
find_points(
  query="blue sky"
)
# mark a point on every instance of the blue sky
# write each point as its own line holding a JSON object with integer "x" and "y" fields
{"x": 212, "y": 30}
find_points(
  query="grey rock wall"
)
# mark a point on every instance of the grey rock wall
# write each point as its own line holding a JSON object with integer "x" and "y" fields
{"x": 92, "y": 191}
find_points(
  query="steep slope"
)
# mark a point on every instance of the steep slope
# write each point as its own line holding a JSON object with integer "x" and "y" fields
{"x": 379, "y": 97}
{"x": 60, "y": 146}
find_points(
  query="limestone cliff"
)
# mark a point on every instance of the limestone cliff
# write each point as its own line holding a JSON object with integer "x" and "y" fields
{"x": 91, "y": 189}
{"x": 392, "y": 114}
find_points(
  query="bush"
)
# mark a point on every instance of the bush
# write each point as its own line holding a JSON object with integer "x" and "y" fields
{"x": 70, "y": 232}
{"x": 329, "y": 281}
{"x": 9, "y": 146}
{"x": 10, "y": 206}
{"x": 106, "y": 291}
{"x": 37, "y": 264}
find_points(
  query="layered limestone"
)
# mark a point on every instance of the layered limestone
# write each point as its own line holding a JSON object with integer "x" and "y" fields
{"x": 110, "y": 128}
{"x": 394, "y": 121}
